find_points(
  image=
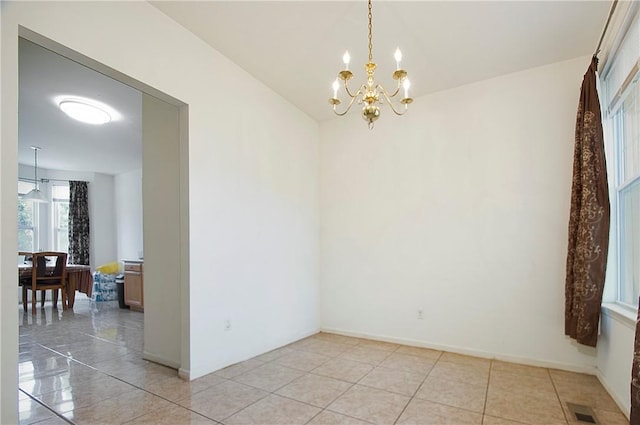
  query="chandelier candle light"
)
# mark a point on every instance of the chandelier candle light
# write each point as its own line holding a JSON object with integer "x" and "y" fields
{"x": 371, "y": 94}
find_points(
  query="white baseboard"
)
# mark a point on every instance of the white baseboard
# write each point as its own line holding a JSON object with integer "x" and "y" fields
{"x": 196, "y": 372}
{"x": 161, "y": 360}
{"x": 184, "y": 374}
{"x": 469, "y": 352}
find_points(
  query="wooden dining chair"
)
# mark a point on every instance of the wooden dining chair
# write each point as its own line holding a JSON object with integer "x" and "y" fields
{"x": 24, "y": 257}
{"x": 44, "y": 277}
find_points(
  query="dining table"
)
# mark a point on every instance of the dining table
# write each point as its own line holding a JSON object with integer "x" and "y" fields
{"x": 79, "y": 278}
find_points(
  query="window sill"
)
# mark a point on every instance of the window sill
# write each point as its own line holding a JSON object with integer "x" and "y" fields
{"x": 620, "y": 313}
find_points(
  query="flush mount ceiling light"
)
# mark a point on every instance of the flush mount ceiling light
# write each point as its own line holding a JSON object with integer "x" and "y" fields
{"x": 86, "y": 110}
{"x": 371, "y": 94}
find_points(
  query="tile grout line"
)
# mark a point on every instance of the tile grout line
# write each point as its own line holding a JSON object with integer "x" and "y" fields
{"x": 379, "y": 365}
{"x": 486, "y": 394}
{"x": 326, "y": 408}
{"x": 46, "y": 407}
{"x": 353, "y": 384}
{"x": 305, "y": 372}
{"x": 310, "y": 372}
{"x": 413, "y": 397}
{"x": 553, "y": 383}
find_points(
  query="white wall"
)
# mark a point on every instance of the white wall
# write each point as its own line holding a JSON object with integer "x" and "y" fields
{"x": 102, "y": 214}
{"x": 103, "y": 247}
{"x": 8, "y": 225}
{"x": 615, "y": 355}
{"x": 253, "y": 165}
{"x": 460, "y": 209}
{"x": 128, "y": 205}
{"x": 161, "y": 165}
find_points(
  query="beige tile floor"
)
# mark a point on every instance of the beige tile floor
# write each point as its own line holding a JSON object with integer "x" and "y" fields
{"x": 85, "y": 367}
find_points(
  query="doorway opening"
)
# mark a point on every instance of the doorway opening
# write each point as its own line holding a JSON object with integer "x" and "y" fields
{"x": 130, "y": 220}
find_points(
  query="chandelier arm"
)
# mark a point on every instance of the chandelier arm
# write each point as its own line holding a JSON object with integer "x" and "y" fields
{"x": 353, "y": 99}
{"x": 352, "y": 96}
{"x": 390, "y": 103}
{"x": 387, "y": 95}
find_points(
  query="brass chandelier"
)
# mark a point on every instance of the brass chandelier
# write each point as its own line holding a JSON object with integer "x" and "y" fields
{"x": 371, "y": 94}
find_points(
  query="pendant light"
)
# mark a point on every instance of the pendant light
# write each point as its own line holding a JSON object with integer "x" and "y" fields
{"x": 35, "y": 194}
{"x": 371, "y": 94}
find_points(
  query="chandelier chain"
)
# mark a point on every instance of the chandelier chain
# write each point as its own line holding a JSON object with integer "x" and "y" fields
{"x": 370, "y": 37}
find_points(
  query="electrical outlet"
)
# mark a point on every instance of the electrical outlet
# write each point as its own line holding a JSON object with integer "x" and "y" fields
{"x": 227, "y": 325}
{"x": 420, "y": 315}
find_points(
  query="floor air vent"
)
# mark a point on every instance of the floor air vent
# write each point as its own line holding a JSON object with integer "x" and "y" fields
{"x": 582, "y": 414}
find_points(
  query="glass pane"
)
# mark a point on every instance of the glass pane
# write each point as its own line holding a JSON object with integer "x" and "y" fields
{"x": 630, "y": 244}
{"x": 61, "y": 215}
{"x": 630, "y": 140}
{"x": 62, "y": 242}
{"x": 25, "y": 213}
{"x": 60, "y": 192}
{"x": 25, "y": 240}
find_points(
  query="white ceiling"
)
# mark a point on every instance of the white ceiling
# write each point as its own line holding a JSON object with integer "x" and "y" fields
{"x": 296, "y": 47}
{"x": 68, "y": 144}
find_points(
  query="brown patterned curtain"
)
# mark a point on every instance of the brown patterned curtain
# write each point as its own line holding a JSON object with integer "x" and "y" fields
{"x": 78, "y": 223}
{"x": 589, "y": 219}
{"x": 635, "y": 377}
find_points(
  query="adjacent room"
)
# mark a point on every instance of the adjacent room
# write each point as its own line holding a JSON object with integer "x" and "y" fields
{"x": 106, "y": 161}
{"x": 465, "y": 254}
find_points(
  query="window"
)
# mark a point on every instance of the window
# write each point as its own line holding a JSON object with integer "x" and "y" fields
{"x": 60, "y": 217}
{"x": 27, "y": 219}
{"x": 627, "y": 180}
{"x": 622, "y": 104}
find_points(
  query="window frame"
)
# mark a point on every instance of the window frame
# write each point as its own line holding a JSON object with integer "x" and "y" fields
{"x": 621, "y": 186}
{"x": 55, "y": 230}
{"x": 624, "y": 57}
